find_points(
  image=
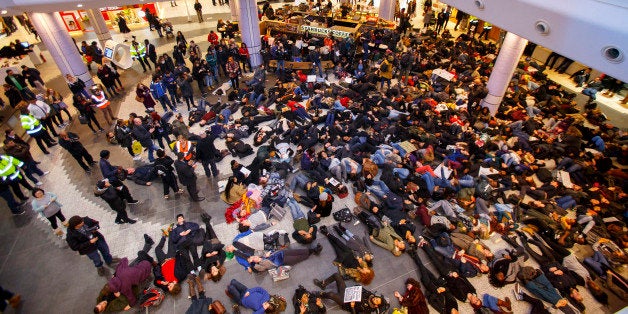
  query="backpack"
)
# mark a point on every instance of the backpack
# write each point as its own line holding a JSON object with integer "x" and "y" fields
{"x": 279, "y": 302}
{"x": 151, "y": 297}
{"x": 343, "y": 215}
{"x": 384, "y": 67}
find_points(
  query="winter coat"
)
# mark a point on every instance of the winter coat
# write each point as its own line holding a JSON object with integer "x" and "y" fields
{"x": 127, "y": 276}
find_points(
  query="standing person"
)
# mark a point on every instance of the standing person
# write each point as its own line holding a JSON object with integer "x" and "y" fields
{"x": 206, "y": 152}
{"x": 244, "y": 57}
{"x": 143, "y": 95}
{"x": 122, "y": 134}
{"x": 41, "y": 111}
{"x": 13, "y": 205}
{"x": 56, "y": 102}
{"x": 34, "y": 78}
{"x": 35, "y": 129}
{"x": 138, "y": 51}
{"x": 151, "y": 52}
{"x": 477, "y": 92}
{"x": 22, "y": 152}
{"x": 107, "y": 78}
{"x": 163, "y": 166}
{"x": 187, "y": 177}
{"x": 76, "y": 85}
{"x": 13, "y": 95}
{"x": 199, "y": 11}
{"x": 100, "y": 101}
{"x": 10, "y": 175}
{"x": 460, "y": 16}
{"x": 45, "y": 203}
{"x": 170, "y": 81}
{"x": 143, "y": 134}
{"x": 124, "y": 29}
{"x": 70, "y": 141}
{"x": 187, "y": 92}
{"x": 233, "y": 71}
{"x": 19, "y": 82}
{"x": 386, "y": 71}
{"x": 84, "y": 237}
{"x": 108, "y": 192}
{"x": 85, "y": 109}
{"x": 158, "y": 90}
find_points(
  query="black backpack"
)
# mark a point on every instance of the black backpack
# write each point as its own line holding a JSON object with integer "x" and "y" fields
{"x": 384, "y": 67}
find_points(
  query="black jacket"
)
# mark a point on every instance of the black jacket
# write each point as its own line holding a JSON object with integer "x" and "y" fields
{"x": 185, "y": 172}
{"x": 111, "y": 196}
{"x": 80, "y": 242}
{"x": 72, "y": 144}
{"x": 206, "y": 150}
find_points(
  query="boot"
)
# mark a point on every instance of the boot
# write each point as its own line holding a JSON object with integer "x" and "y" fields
{"x": 320, "y": 284}
{"x": 199, "y": 285}
{"x": 65, "y": 223}
{"x": 192, "y": 293}
{"x": 316, "y": 250}
{"x": 59, "y": 232}
{"x": 323, "y": 230}
{"x": 206, "y": 218}
{"x": 15, "y": 300}
{"x": 101, "y": 271}
{"x": 148, "y": 239}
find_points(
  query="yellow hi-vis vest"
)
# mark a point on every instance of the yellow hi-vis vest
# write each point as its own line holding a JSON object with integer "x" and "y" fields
{"x": 30, "y": 124}
{"x": 10, "y": 168}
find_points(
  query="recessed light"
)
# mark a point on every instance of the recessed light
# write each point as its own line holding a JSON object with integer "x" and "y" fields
{"x": 80, "y": 5}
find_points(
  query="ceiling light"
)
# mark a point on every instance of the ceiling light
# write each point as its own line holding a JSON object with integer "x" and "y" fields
{"x": 80, "y": 5}
{"x": 3, "y": 12}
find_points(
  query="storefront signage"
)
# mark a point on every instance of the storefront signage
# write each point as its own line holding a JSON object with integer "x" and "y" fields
{"x": 324, "y": 31}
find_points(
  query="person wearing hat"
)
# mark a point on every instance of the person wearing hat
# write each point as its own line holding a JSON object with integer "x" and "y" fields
{"x": 107, "y": 192}
{"x": 187, "y": 177}
{"x": 83, "y": 236}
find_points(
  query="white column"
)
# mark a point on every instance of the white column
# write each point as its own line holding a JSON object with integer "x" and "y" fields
{"x": 505, "y": 65}
{"x": 249, "y": 29}
{"x": 100, "y": 26}
{"x": 187, "y": 10}
{"x": 234, "y": 7}
{"x": 60, "y": 45}
{"x": 387, "y": 9}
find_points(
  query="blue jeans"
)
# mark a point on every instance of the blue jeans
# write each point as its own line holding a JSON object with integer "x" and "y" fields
{"x": 378, "y": 188}
{"x": 208, "y": 80}
{"x": 151, "y": 150}
{"x": 237, "y": 290}
{"x": 566, "y": 202}
{"x": 295, "y": 209}
{"x": 596, "y": 262}
{"x": 590, "y": 92}
{"x": 164, "y": 101}
{"x": 102, "y": 246}
{"x": 280, "y": 65}
{"x": 387, "y": 80}
{"x": 403, "y": 173}
{"x": 300, "y": 180}
{"x": 320, "y": 68}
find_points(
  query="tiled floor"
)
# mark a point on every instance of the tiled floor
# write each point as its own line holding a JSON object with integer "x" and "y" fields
{"x": 54, "y": 279}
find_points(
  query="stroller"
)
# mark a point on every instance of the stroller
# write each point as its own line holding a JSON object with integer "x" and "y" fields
{"x": 167, "y": 25}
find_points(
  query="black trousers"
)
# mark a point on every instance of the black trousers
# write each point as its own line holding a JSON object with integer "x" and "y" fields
{"x": 15, "y": 186}
{"x": 170, "y": 182}
{"x": 192, "y": 190}
{"x": 48, "y": 123}
{"x": 42, "y": 137}
{"x": 84, "y": 154}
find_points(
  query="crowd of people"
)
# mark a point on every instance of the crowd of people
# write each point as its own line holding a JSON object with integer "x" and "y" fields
{"x": 432, "y": 173}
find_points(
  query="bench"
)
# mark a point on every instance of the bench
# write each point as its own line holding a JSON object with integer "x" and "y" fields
{"x": 301, "y": 65}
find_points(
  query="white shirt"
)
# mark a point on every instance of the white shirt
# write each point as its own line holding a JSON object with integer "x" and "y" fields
{"x": 39, "y": 109}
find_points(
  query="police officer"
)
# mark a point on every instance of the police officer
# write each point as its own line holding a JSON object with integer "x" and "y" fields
{"x": 36, "y": 130}
{"x": 138, "y": 51}
{"x": 10, "y": 175}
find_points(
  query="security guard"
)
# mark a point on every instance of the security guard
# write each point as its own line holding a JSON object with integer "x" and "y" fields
{"x": 138, "y": 51}
{"x": 36, "y": 130}
{"x": 10, "y": 175}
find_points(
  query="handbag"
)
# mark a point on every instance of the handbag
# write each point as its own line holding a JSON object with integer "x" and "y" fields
{"x": 218, "y": 307}
{"x": 83, "y": 119}
{"x": 138, "y": 98}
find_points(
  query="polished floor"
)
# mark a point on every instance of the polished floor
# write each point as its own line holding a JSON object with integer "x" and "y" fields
{"x": 54, "y": 279}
